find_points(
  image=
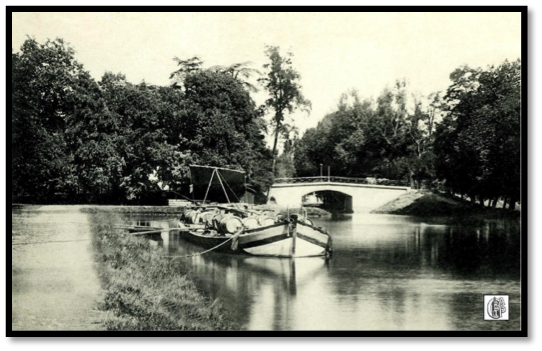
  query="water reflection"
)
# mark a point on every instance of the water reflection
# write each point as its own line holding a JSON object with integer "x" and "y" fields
{"x": 388, "y": 272}
{"x": 257, "y": 291}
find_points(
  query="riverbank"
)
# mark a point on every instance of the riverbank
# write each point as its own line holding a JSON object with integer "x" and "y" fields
{"x": 72, "y": 270}
{"x": 167, "y": 211}
{"x": 142, "y": 290}
{"x": 428, "y": 204}
{"x": 150, "y": 210}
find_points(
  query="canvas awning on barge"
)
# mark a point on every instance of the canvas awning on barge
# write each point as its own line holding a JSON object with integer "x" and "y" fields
{"x": 217, "y": 184}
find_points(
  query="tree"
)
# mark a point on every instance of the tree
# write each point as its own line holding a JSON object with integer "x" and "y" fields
{"x": 420, "y": 126}
{"x": 339, "y": 141}
{"x": 112, "y": 138}
{"x": 240, "y": 71}
{"x": 478, "y": 143}
{"x": 282, "y": 84}
{"x": 224, "y": 125}
{"x": 388, "y": 138}
{"x": 47, "y": 83}
{"x": 186, "y": 67}
{"x": 495, "y": 132}
{"x": 285, "y": 161}
{"x": 308, "y": 153}
{"x": 146, "y": 135}
{"x": 92, "y": 131}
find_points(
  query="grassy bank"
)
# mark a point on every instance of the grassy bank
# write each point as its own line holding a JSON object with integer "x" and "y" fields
{"x": 427, "y": 204}
{"x": 141, "y": 290}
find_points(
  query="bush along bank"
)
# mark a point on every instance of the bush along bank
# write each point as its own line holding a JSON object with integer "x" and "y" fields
{"x": 142, "y": 291}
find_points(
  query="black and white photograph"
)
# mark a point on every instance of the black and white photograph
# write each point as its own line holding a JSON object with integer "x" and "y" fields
{"x": 198, "y": 170}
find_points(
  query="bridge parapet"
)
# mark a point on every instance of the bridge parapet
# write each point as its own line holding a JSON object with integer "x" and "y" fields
{"x": 334, "y": 179}
{"x": 360, "y": 194}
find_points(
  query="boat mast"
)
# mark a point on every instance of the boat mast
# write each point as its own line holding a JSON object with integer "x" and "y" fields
{"x": 209, "y": 186}
{"x": 220, "y": 180}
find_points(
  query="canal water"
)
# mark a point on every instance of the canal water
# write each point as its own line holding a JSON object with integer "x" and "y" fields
{"x": 54, "y": 284}
{"x": 387, "y": 273}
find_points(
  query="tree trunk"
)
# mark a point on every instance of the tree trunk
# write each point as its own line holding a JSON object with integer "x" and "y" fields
{"x": 274, "y": 152}
{"x": 494, "y": 202}
{"x": 275, "y": 148}
{"x": 274, "y": 155}
{"x": 504, "y": 200}
{"x": 273, "y": 166}
{"x": 512, "y": 204}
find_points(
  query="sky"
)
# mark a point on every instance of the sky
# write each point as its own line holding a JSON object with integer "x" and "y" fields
{"x": 333, "y": 52}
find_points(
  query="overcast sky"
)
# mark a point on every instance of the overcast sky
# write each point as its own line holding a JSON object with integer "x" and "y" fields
{"x": 333, "y": 52}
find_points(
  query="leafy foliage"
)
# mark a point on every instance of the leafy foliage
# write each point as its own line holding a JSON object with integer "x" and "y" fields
{"x": 387, "y": 138}
{"x": 46, "y": 86}
{"x": 73, "y": 135}
{"x": 468, "y": 141}
{"x": 478, "y": 142}
{"x": 122, "y": 140}
{"x": 282, "y": 84}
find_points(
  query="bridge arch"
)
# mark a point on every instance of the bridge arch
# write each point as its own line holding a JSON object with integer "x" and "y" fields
{"x": 364, "y": 197}
{"x": 330, "y": 199}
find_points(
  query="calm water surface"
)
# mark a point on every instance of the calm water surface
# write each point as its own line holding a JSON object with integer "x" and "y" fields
{"x": 387, "y": 273}
{"x": 54, "y": 285}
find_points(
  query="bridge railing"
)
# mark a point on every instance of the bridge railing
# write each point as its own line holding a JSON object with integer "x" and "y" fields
{"x": 351, "y": 180}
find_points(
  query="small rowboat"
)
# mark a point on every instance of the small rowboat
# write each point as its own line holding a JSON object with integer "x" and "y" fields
{"x": 141, "y": 229}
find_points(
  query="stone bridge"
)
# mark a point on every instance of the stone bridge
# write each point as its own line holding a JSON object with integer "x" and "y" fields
{"x": 360, "y": 194}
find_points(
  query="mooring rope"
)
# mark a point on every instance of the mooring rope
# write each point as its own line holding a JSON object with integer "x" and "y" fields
{"x": 235, "y": 237}
{"x": 229, "y": 187}
{"x": 204, "y": 252}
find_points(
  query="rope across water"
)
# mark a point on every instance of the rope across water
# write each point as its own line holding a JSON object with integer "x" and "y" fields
{"x": 204, "y": 252}
{"x": 234, "y": 238}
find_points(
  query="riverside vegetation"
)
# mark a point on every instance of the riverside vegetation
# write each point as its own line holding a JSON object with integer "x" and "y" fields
{"x": 112, "y": 141}
{"x": 78, "y": 140}
{"x": 142, "y": 290}
{"x": 425, "y": 203}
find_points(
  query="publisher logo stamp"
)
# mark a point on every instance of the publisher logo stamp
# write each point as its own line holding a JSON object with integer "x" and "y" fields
{"x": 496, "y": 307}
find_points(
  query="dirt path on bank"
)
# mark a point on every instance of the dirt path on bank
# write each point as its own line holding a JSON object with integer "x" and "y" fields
{"x": 54, "y": 282}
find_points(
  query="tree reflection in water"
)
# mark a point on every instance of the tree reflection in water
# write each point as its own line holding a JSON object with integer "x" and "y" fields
{"x": 387, "y": 272}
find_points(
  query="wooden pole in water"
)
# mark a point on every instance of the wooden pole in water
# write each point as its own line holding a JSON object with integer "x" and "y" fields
{"x": 293, "y": 221}
{"x": 287, "y": 212}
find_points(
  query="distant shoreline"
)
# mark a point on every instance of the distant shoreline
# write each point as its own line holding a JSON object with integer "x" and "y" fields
{"x": 428, "y": 204}
{"x": 414, "y": 203}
